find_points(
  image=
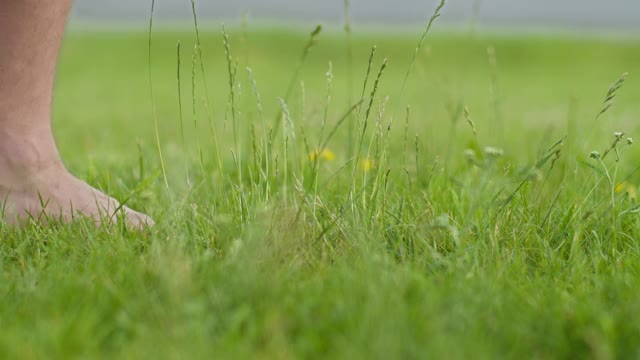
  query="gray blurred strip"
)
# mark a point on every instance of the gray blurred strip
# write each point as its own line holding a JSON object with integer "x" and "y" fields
{"x": 612, "y": 14}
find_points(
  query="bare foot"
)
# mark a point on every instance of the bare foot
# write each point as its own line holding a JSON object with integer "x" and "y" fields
{"x": 34, "y": 184}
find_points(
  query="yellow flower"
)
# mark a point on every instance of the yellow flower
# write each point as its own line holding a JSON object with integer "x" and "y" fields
{"x": 625, "y": 187}
{"x": 367, "y": 164}
{"x": 325, "y": 154}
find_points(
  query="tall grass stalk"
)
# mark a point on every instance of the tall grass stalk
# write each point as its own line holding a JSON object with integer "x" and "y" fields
{"x": 194, "y": 104}
{"x": 362, "y": 98}
{"x": 153, "y": 101}
{"x": 319, "y": 151}
{"x": 265, "y": 153}
{"x": 495, "y": 92}
{"x": 206, "y": 87}
{"x": 368, "y": 72}
{"x": 380, "y": 158}
{"x": 455, "y": 109}
{"x": 179, "y": 85}
{"x": 364, "y": 126}
{"x": 287, "y": 124}
{"x": 231, "y": 72}
{"x": 423, "y": 36}
{"x": 349, "y": 65}
{"x": 313, "y": 38}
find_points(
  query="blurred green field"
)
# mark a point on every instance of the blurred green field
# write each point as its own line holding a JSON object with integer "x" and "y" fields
{"x": 435, "y": 248}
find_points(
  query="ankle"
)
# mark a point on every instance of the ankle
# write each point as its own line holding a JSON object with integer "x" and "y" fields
{"x": 27, "y": 154}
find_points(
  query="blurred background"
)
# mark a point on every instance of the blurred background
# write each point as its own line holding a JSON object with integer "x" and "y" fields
{"x": 619, "y": 15}
{"x": 527, "y": 86}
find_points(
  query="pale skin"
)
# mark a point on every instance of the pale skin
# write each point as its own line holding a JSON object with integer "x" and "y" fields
{"x": 34, "y": 183}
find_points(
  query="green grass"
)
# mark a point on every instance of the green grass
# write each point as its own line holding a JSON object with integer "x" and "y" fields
{"x": 439, "y": 250}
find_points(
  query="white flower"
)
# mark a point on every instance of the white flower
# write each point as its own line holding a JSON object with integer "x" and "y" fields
{"x": 493, "y": 152}
{"x": 470, "y": 154}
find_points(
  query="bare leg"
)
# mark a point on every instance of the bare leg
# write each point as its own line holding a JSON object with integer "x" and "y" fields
{"x": 31, "y": 171}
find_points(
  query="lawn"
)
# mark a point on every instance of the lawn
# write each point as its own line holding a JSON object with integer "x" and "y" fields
{"x": 458, "y": 216}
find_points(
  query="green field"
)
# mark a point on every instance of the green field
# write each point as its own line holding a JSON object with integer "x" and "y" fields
{"x": 410, "y": 237}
